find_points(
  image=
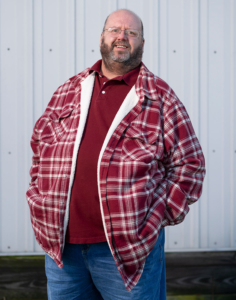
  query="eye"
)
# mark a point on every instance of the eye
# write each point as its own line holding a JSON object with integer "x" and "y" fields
{"x": 114, "y": 30}
{"x": 132, "y": 33}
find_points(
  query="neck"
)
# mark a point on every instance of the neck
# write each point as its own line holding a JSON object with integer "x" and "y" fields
{"x": 115, "y": 69}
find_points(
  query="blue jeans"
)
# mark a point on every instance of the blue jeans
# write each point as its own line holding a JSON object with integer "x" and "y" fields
{"x": 90, "y": 273}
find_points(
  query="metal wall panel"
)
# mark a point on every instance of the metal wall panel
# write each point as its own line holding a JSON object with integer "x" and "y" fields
{"x": 54, "y": 48}
{"x": 190, "y": 44}
{"x": 16, "y": 120}
{"x": 180, "y": 69}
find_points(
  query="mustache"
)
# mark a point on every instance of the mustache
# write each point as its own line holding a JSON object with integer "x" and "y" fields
{"x": 120, "y": 43}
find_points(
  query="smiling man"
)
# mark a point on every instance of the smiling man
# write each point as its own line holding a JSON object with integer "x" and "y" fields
{"x": 121, "y": 50}
{"x": 115, "y": 160}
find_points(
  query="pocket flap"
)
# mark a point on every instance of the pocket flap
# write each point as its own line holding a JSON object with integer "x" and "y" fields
{"x": 66, "y": 113}
{"x": 56, "y": 118}
{"x": 149, "y": 137}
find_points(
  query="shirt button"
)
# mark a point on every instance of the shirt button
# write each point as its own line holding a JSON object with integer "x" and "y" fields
{"x": 104, "y": 82}
{"x": 103, "y": 92}
{"x": 100, "y": 75}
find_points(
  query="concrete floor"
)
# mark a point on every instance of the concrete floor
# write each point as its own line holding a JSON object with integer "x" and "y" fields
{"x": 190, "y": 276}
{"x": 205, "y": 275}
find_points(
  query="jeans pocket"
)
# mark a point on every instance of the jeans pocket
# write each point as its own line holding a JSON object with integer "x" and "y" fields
{"x": 158, "y": 249}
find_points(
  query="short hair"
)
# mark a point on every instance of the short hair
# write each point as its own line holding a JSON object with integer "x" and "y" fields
{"x": 142, "y": 30}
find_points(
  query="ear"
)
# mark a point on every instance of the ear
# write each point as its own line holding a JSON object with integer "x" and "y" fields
{"x": 100, "y": 40}
{"x": 143, "y": 44}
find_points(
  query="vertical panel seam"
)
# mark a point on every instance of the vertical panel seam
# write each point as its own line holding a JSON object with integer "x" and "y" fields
{"x": 199, "y": 107}
{"x": 84, "y": 35}
{"x": 159, "y": 38}
{"x": 232, "y": 121}
{"x": 42, "y": 103}
{"x": 207, "y": 50}
{"x": 75, "y": 48}
{"x": 0, "y": 138}
{"x": 33, "y": 67}
{"x": 167, "y": 40}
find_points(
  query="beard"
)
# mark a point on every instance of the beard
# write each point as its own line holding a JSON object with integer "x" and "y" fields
{"x": 120, "y": 62}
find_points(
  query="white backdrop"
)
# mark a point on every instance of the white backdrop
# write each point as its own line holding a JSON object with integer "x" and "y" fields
{"x": 191, "y": 44}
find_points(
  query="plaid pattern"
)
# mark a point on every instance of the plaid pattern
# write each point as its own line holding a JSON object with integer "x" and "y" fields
{"x": 151, "y": 171}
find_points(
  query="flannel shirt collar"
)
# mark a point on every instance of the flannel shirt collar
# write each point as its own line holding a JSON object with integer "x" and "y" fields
{"x": 145, "y": 85}
{"x": 129, "y": 78}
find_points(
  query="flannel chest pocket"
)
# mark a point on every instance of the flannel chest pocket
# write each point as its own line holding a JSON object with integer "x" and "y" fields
{"x": 57, "y": 126}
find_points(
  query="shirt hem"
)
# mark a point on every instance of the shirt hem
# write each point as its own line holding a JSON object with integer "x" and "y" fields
{"x": 90, "y": 240}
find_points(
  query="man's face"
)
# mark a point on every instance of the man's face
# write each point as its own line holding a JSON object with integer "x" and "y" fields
{"x": 122, "y": 49}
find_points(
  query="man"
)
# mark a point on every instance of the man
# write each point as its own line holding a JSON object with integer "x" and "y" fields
{"x": 115, "y": 160}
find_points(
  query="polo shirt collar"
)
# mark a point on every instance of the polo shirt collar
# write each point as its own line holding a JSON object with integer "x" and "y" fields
{"x": 129, "y": 78}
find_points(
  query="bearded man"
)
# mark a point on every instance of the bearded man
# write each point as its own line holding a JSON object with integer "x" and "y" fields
{"x": 115, "y": 161}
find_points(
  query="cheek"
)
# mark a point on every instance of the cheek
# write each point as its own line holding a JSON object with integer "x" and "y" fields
{"x": 133, "y": 46}
{"x": 109, "y": 41}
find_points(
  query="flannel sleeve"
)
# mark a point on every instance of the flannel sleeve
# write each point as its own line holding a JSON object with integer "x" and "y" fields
{"x": 183, "y": 161}
{"x": 33, "y": 193}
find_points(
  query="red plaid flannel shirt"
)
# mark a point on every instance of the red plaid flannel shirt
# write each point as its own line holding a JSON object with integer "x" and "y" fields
{"x": 151, "y": 169}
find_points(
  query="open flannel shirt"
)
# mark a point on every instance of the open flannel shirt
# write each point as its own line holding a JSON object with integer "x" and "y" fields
{"x": 150, "y": 169}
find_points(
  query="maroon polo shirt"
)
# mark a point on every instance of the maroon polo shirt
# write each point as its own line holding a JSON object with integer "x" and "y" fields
{"x": 85, "y": 220}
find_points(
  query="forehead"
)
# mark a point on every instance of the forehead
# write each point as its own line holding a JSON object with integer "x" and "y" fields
{"x": 123, "y": 19}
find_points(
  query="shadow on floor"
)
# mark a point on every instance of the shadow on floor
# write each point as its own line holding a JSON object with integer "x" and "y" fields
{"x": 190, "y": 276}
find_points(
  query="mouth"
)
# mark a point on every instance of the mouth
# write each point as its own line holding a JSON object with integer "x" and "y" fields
{"x": 121, "y": 47}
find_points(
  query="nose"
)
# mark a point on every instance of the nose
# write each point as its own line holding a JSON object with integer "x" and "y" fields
{"x": 122, "y": 35}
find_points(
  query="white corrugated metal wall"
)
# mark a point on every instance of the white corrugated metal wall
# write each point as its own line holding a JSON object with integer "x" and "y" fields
{"x": 189, "y": 43}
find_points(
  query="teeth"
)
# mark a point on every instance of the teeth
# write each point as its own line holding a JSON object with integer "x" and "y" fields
{"x": 121, "y": 46}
